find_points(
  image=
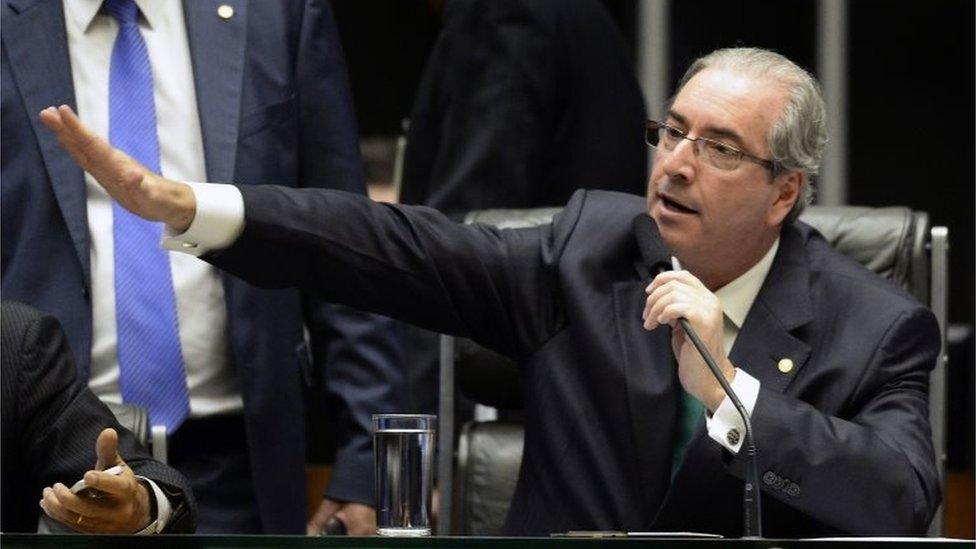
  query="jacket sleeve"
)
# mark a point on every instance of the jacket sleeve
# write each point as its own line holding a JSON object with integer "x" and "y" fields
{"x": 497, "y": 287}
{"x": 872, "y": 471}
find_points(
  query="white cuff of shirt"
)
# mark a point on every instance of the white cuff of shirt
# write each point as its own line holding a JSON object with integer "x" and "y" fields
{"x": 218, "y": 221}
{"x": 164, "y": 509}
{"x": 725, "y": 426}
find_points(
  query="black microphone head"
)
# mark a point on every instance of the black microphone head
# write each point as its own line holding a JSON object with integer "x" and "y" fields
{"x": 652, "y": 248}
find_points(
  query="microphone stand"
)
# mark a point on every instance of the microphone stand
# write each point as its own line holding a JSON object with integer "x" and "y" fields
{"x": 751, "y": 498}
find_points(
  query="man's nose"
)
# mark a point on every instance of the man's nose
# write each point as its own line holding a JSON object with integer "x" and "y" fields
{"x": 681, "y": 161}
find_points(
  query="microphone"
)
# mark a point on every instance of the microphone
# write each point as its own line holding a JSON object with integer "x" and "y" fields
{"x": 658, "y": 259}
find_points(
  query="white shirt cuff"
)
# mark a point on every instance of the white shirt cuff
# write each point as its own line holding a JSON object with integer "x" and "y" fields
{"x": 218, "y": 221}
{"x": 164, "y": 509}
{"x": 725, "y": 426}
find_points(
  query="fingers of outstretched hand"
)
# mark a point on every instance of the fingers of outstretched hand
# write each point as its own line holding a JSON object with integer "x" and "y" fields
{"x": 95, "y": 155}
{"x": 80, "y": 137}
{"x": 65, "y": 125}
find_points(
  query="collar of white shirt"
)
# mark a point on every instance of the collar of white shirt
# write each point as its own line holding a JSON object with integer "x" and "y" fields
{"x": 737, "y": 296}
{"x": 81, "y": 13}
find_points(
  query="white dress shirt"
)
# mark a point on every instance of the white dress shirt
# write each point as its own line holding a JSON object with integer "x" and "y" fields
{"x": 737, "y": 298}
{"x": 219, "y": 221}
{"x": 200, "y": 305}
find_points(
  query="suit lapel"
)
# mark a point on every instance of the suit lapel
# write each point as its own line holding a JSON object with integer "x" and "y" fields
{"x": 651, "y": 379}
{"x": 36, "y": 41}
{"x": 783, "y": 305}
{"x": 217, "y": 51}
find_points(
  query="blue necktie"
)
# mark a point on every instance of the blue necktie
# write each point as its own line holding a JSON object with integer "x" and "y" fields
{"x": 151, "y": 371}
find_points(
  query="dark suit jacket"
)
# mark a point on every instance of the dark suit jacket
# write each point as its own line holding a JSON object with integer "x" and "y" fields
{"x": 50, "y": 423}
{"x": 844, "y": 441}
{"x": 274, "y": 108}
{"x": 521, "y": 103}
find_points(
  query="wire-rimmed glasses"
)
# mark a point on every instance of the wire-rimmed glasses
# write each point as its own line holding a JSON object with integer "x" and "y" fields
{"x": 720, "y": 155}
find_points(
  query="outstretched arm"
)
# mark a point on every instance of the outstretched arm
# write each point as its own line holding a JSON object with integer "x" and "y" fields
{"x": 410, "y": 263}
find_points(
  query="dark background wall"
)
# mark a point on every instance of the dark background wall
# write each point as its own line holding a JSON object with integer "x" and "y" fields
{"x": 911, "y": 110}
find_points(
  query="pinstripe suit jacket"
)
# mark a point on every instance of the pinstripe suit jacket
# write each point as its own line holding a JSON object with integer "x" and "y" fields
{"x": 50, "y": 423}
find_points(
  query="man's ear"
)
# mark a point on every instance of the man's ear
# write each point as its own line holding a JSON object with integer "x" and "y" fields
{"x": 788, "y": 188}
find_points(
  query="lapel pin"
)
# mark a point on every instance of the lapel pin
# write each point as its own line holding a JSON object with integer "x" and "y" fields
{"x": 785, "y": 365}
{"x": 225, "y": 11}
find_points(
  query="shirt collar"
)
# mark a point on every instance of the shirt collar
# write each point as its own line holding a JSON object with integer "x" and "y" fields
{"x": 83, "y": 12}
{"x": 737, "y": 296}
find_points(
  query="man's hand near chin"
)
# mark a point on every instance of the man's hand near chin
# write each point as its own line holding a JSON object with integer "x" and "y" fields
{"x": 679, "y": 294}
{"x": 359, "y": 519}
{"x": 123, "y": 506}
{"x": 137, "y": 189}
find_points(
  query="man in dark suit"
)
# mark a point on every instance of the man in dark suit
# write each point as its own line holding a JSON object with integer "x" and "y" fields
{"x": 252, "y": 92}
{"x": 521, "y": 104}
{"x": 831, "y": 360}
{"x": 50, "y": 424}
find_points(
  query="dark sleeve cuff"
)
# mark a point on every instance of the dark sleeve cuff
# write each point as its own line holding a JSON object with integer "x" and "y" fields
{"x": 353, "y": 479}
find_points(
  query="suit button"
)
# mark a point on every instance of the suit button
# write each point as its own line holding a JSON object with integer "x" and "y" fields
{"x": 785, "y": 365}
{"x": 793, "y": 489}
{"x": 769, "y": 478}
{"x": 225, "y": 11}
{"x": 732, "y": 437}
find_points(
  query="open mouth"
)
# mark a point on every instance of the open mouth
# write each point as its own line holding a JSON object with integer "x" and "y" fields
{"x": 675, "y": 206}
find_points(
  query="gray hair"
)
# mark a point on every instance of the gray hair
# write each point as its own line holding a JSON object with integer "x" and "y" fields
{"x": 797, "y": 140}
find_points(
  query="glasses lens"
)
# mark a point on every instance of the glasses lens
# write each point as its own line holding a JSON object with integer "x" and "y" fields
{"x": 723, "y": 157}
{"x": 651, "y": 133}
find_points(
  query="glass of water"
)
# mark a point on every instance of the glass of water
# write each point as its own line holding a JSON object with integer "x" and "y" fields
{"x": 403, "y": 448}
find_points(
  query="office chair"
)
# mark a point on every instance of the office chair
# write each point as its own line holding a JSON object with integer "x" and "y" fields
{"x": 136, "y": 419}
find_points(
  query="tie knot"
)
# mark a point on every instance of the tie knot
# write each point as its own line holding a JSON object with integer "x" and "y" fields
{"x": 124, "y": 11}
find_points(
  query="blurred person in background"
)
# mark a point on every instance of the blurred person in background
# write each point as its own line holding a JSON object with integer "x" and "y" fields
{"x": 521, "y": 103}
{"x": 239, "y": 91}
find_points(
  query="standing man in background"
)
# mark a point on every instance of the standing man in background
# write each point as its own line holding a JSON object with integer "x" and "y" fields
{"x": 229, "y": 91}
{"x": 521, "y": 104}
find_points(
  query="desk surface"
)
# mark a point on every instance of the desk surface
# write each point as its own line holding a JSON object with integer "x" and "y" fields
{"x": 220, "y": 542}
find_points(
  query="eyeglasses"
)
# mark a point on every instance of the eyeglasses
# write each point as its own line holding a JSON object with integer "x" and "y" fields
{"x": 720, "y": 155}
